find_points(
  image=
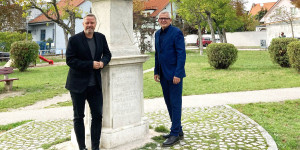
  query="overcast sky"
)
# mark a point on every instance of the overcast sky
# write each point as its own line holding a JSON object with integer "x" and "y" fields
{"x": 250, "y": 2}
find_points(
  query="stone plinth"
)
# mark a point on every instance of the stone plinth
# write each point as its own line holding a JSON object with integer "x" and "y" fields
{"x": 123, "y": 106}
{"x": 122, "y": 78}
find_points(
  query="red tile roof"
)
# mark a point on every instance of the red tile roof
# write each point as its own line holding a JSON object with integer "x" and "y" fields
{"x": 256, "y": 7}
{"x": 156, "y": 5}
{"x": 43, "y": 18}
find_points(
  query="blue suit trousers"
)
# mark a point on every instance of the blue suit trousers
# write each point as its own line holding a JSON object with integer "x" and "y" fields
{"x": 173, "y": 99}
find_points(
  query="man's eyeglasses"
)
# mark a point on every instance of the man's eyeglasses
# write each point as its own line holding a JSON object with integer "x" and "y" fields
{"x": 163, "y": 19}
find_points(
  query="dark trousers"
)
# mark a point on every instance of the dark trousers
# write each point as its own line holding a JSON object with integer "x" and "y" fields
{"x": 93, "y": 94}
{"x": 173, "y": 99}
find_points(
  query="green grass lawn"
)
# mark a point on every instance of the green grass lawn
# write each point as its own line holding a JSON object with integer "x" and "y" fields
{"x": 252, "y": 71}
{"x": 37, "y": 83}
{"x": 281, "y": 120}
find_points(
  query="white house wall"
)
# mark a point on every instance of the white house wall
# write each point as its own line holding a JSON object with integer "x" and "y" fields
{"x": 60, "y": 38}
{"x": 282, "y": 3}
{"x": 274, "y": 30}
{"x": 36, "y": 31}
{"x": 246, "y": 38}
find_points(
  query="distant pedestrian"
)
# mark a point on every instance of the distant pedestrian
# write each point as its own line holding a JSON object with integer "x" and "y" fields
{"x": 169, "y": 70}
{"x": 282, "y": 35}
{"x": 87, "y": 53}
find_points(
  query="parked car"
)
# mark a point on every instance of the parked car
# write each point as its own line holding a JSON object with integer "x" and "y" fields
{"x": 205, "y": 41}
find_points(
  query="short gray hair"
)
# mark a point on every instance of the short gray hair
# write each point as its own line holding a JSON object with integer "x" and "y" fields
{"x": 90, "y": 15}
{"x": 165, "y": 12}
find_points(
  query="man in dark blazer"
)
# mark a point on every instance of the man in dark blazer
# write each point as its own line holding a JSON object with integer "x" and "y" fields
{"x": 169, "y": 70}
{"x": 87, "y": 53}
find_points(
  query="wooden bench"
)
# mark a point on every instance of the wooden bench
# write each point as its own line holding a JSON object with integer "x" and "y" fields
{"x": 8, "y": 82}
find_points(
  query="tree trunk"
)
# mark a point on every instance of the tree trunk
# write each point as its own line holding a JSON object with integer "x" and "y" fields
{"x": 220, "y": 35}
{"x": 209, "y": 21}
{"x": 224, "y": 35}
{"x": 292, "y": 29}
{"x": 66, "y": 37}
{"x": 200, "y": 39}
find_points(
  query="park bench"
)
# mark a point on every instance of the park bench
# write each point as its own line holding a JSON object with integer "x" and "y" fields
{"x": 4, "y": 56}
{"x": 8, "y": 82}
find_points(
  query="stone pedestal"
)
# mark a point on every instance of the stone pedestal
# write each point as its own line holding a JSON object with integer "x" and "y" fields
{"x": 122, "y": 78}
{"x": 123, "y": 108}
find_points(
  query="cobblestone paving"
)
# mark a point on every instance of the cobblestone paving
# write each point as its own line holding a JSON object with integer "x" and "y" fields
{"x": 33, "y": 135}
{"x": 218, "y": 127}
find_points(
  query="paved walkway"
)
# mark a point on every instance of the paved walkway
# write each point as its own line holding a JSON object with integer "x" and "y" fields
{"x": 208, "y": 122}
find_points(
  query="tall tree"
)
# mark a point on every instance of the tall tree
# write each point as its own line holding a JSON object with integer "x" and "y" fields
{"x": 225, "y": 19}
{"x": 143, "y": 25}
{"x": 64, "y": 15}
{"x": 249, "y": 22}
{"x": 11, "y": 16}
{"x": 283, "y": 15}
{"x": 192, "y": 12}
{"x": 296, "y": 3}
{"x": 261, "y": 14}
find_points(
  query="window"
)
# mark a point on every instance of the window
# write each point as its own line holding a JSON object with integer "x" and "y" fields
{"x": 293, "y": 10}
{"x": 43, "y": 35}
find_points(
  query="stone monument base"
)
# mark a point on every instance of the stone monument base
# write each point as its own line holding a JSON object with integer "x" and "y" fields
{"x": 119, "y": 136}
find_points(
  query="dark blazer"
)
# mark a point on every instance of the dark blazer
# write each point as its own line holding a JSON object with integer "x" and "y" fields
{"x": 80, "y": 61}
{"x": 170, "y": 57}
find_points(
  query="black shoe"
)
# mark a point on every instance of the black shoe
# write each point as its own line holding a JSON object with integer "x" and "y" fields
{"x": 181, "y": 136}
{"x": 172, "y": 140}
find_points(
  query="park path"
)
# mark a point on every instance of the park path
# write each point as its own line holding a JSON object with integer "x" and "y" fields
{"x": 49, "y": 123}
{"x": 38, "y": 112}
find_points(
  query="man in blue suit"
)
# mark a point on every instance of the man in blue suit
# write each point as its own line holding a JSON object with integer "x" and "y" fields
{"x": 169, "y": 70}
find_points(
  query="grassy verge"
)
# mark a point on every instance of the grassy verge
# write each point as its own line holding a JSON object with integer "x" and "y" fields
{"x": 47, "y": 146}
{"x": 7, "y": 127}
{"x": 281, "y": 120}
{"x": 248, "y": 47}
{"x": 38, "y": 84}
{"x": 61, "y": 104}
{"x": 150, "y": 62}
{"x": 252, "y": 71}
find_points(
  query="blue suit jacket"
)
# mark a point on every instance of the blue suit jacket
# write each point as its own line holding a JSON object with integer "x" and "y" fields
{"x": 170, "y": 57}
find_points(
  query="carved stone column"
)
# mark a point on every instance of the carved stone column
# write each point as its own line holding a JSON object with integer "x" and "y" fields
{"x": 122, "y": 79}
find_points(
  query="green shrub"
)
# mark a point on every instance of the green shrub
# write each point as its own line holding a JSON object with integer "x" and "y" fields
{"x": 278, "y": 51}
{"x": 221, "y": 55}
{"x": 23, "y": 53}
{"x": 7, "y": 38}
{"x": 294, "y": 54}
